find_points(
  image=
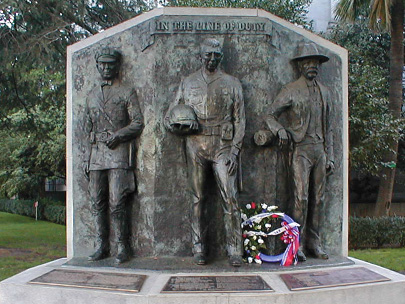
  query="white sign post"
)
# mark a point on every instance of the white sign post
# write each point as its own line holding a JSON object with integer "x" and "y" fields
{"x": 36, "y": 210}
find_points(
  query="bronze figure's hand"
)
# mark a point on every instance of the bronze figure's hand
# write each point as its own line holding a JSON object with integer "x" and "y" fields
{"x": 330, "y": 167}
{"x": 86, "y": 170}
{"x": 232, "y": 164}
{"x": 113, "y": 142}
{"x": 194, "y": 126}
{"x": 283, "y": 138}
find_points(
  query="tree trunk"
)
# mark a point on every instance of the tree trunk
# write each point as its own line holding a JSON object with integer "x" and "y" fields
{"x": 387, "y": 175}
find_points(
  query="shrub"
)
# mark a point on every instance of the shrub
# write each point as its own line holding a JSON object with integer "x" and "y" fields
{"x": 47, "y": 210}
{"x": 55, "y": 214}
{"x": 367, "y": 232}
{"x": 21, "y": 207}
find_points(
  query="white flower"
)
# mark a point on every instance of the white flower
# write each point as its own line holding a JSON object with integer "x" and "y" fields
{"x": 254, "y": 238}
{"x": 257, "y": 220}
{"x": 246, "y": 242}
{"x": 267, "y": 226}
{"x": 248, "y": 206}
{"x": 258, "y": 261}
{"x": 260, "y": 241}
{"x": 243, "y": 216}
{"x": 264, "y": 206}
{"x": 253, "y": 247}
{"x": 250, "y": 260}
{"x": 258, "y": 227}
{"x": 246, "y": 248}
{"x": 271, "y": 208}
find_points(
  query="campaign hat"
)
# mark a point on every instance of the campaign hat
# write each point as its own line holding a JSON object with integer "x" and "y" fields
{"x": 309, "y": 50}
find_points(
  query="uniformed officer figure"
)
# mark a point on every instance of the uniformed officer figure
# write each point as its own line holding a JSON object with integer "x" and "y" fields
{"x": 300, "y": 116}
{"x": 215, "y": 132}
{"x": 114, "y": 121}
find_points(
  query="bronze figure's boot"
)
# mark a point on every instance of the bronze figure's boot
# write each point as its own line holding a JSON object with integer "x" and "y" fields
{"x": 319, "y": 253}
{"x": 102, "y": 252}
{"x": 123, "y": 248}
{"x": 301, "y": 256}
{"x": 103, "y": 247}
{"x": 199, "y": 259}
{"x": 123, "y": 253}
{"x": 235, "y": 260}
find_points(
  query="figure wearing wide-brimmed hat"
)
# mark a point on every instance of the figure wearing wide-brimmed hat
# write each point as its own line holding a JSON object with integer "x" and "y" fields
{"x": 309, "y": 51}
{"x": 300, "y": 117}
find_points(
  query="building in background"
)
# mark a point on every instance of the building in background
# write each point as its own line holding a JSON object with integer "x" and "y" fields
{"x": 321, "y": 12}
{"x": 55, "y": 189}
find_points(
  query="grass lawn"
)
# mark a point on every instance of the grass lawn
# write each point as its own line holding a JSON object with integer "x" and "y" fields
{"x": 26, "y": 243}
{"x": 391, "y": 258}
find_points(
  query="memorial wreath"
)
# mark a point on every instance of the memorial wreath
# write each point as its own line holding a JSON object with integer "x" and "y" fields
{"x": 257, "y": 222}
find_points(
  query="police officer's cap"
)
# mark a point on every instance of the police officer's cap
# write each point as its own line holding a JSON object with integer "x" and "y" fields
{"x": 108, "y": 55}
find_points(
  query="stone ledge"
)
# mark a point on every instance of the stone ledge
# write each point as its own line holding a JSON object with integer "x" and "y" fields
{"x": 17, "y": 289}
{"x": 186, "y": 264}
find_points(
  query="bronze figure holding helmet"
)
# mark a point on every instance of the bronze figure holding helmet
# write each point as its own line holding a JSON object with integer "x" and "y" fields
{"x": 213, "y": 140}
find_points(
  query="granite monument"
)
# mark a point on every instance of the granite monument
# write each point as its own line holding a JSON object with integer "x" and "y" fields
{"x": 193, "y": 175}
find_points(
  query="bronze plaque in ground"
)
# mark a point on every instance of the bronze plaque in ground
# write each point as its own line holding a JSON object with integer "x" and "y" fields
{"x": 91, "y": 279}
{"x": 216, "y": 284}
{"x": 331, "y": 278}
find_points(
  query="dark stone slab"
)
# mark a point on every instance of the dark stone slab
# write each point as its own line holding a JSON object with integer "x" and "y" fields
{"x": 90, "y": 279}
{"x": 331, "y": 278}
{"x": 216, "y": 284}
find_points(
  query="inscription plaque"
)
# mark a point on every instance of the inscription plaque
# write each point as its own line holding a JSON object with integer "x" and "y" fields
{"x": 331, "y": 278}
{"x": 207, "y": 25}
{"x": 90, "y": 279}
{"x": 216, "y": 284}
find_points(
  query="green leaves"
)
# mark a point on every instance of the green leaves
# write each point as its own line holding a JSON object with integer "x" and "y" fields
{"x": 33, "y": 40}
{"x": 378, "y": 11}
{"x": 293, "y": 11}
{"x": 367, "y": 232}
{"x": 372, "y": 126}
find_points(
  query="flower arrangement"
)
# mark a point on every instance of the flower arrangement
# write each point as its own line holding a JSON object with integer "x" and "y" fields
{"x": 257, "y": 222}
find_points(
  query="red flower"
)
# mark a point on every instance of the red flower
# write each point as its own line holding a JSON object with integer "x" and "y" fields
{"x": 253, "y": 205}
{"x": 274, "y": 215}
{"x": 244, "y": 235}
{"x": 257, "y": 257}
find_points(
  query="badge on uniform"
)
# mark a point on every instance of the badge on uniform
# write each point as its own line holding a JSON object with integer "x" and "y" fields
{"x": 227, "y": 131}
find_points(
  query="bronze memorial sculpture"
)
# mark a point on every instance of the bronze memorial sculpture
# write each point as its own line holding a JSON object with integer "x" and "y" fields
{"x": 113, "y": 121}
{"x": 300, "y": 116}
{"x": 209, "y": 109}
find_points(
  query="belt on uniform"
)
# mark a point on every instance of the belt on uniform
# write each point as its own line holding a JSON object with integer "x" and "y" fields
{"x": 100, "y": 136}
{"x": 310, "y": 142}
{"x": 210, "y": 130}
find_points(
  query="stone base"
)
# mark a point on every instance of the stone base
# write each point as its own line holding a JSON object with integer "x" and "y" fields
{"x": 187, "y": 265}
{"x": 17, "y": 289}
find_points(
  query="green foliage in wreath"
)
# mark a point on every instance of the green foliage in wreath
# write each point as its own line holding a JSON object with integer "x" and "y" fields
{"x": 253, "y": 244}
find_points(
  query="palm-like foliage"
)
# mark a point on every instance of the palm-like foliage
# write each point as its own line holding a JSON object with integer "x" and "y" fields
{"x": 381, "y": 10}
{"x": 378, "y": 11}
